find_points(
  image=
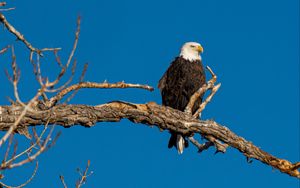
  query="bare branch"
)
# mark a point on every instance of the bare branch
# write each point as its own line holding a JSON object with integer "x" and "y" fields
{"x": 9, "y": 165}
{"x": 21, "y": 37}
{"x": 7, "y": 9}
{"x": 201, "y": 147}
{"x": 80, "y": 81}
{"x": 64, "y": 68}
{"x": 52, "y": 84}
{"x": 200, "y": 92}
{"x": 219, "y": 146}
{"x": 81, "y": 85}
{"x": 3, "y": 50}
{"x": 62, "y": 179}
{"x": 16, "y": 77}
{"x": 18, "y": 119}
{"x": 24, "y": 184}
{"x": 8, "y": 148}
{"x": 37, "y": 142}
{"x": 151, "y": 114}
{"x": 75, "y": 41}
{"x": 207, "y": 100}
{"x": 84, "y": 176}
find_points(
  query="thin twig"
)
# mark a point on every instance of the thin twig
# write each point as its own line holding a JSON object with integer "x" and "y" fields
{"x": 8, "y": 148}
{"x": 50, "y": 85}
{"x": 16, "y": 77}
{"x": 21, "y": 37}
{"x": 28, "y": 181}
{"x": 32, "y": 157}
{"x": 84, "y": 176}
{"x": 64, "y": 68}
{"x": 80, "y": 81}
{"x": 57, "y": 59}
{"x": 7, "y": 9}
{"x": 15, "y": 125}
{"x": 62, "y": 179}
{"x": 207, "y": 100}
{"x": 3, "y": 50}
{"x": 27, "y": 150}
{"x": 201, "y": 147}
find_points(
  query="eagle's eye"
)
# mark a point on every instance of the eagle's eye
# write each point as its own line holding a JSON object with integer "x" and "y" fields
{"x": 193, "y": 46}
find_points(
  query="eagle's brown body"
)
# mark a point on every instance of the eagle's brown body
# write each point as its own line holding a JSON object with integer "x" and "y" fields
{"x": 182, "y": 79}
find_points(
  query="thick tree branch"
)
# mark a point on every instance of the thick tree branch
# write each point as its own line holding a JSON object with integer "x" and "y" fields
{"x": 164, "y": 118}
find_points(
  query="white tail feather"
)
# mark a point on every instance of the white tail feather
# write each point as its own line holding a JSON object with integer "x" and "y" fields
{"x": 180, "y": 143}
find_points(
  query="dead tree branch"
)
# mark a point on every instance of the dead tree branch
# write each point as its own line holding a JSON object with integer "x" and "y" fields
{"x": 149, "y": 114}
{"x": 210, "y": 85}
{"x": 81, "y": 85}
{"x": 201, "y": 147}
{"x": 83, "y": 176}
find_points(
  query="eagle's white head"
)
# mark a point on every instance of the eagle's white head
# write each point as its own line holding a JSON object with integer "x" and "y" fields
{"x": 191, "y": 51}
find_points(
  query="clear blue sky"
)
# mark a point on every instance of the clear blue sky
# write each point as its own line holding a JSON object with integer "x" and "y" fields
{"x": 253, "y": 47}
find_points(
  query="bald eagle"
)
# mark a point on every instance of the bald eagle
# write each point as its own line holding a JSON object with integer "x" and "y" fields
{"x": 183, "y": 78}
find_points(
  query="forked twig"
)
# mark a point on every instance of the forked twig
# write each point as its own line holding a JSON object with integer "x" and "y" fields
{"x": 15, "y": 125}
{"x": 207, "y": 100}
{"x": 37, "y": 142}
{"x": 201, "y": 147}
{"x": 64, "y": 68}
{"x": 208, "y": 85}
{"x": 84, "y": 176}
{"x": 32, "y": 157}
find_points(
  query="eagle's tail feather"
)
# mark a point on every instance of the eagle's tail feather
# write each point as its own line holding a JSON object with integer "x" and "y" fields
{"x": 178, "y": 142}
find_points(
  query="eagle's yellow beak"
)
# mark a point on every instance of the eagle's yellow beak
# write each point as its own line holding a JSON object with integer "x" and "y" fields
{"x": 200, "y": 49}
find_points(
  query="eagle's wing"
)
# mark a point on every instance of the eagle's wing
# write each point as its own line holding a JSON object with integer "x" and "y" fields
{"x": 162, "y": 82}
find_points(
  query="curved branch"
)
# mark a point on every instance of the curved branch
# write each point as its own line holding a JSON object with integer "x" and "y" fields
{"x": 27, "y": 182}
{"x": 164, "y": 118}
{"x": 105, "y": 85}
